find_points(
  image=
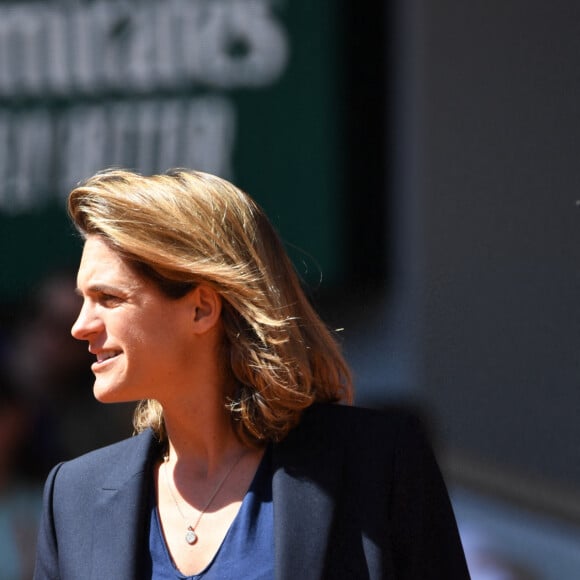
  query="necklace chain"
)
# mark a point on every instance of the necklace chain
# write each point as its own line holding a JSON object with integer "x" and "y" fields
{"x": 191, "y": 535}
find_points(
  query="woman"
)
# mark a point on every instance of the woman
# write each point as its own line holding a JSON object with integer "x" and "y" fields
{"x": 242, "y": 466}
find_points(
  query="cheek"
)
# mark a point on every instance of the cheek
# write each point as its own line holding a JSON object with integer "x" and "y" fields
{"x": 177, "y": 343}
{"x": 161, "y": 333}
{"x": 158, "y": 333}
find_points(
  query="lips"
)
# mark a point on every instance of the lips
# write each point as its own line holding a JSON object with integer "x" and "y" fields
{"x": 103, "y": 357}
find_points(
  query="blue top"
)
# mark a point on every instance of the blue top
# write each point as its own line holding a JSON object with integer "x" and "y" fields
{"x": 248, "y": 548}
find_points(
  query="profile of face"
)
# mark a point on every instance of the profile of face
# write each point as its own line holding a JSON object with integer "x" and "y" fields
{"x": 144, "y": 342}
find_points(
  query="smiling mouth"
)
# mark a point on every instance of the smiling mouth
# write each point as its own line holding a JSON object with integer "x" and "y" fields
{"x": 107, "y": 355}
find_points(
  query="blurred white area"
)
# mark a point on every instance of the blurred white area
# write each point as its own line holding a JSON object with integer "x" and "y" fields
{"x": 505, "y": 542}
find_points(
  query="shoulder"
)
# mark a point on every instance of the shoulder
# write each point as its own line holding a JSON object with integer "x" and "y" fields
{"x": 95, "y": 467}
{"x": 388, "y": 436}
{"x": 342, "y": 422}
{"x": 394, "y": 439}
{"x": 96, "y": 491}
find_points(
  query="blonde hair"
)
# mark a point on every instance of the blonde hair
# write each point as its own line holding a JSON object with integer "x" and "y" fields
{"x": 182, "y": 228}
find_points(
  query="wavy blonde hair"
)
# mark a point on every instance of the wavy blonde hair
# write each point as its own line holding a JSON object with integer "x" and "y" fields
{"x": 182, "y": 228}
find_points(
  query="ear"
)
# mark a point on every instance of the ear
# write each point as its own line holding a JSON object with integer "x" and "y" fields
{"x": 206, "y": 308}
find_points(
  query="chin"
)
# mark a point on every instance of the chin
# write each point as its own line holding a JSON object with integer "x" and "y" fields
{"x": 105, "y": 394}
{"x": 105, "y": 397}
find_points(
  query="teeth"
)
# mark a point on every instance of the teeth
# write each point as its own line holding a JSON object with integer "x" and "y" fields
{"x": 105, "y": 356}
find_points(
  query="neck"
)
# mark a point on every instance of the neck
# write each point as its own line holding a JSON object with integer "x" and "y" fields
{"x": 200, "y": 436}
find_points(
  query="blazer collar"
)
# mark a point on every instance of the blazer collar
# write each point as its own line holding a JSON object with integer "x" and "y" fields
{"x": 124, "y": 493}
{"x": 306, "y": 484}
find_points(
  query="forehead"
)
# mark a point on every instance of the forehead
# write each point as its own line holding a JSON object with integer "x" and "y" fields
{"x": 100, "y": 263}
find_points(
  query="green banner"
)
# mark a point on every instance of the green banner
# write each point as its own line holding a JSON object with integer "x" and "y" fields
{"x": 247, "y": 89}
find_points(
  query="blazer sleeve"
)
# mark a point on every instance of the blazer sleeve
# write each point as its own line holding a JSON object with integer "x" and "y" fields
{"x": 46, "y": 567}
{"x": 426, "y": 542}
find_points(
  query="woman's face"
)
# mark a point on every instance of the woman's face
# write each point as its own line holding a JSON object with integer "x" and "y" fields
{"x": 140, "y": 338}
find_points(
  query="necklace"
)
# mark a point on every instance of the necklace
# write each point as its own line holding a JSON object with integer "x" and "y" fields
{"x": 191, "y": 535}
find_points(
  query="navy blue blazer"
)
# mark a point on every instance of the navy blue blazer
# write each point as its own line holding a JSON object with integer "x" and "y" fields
{"x": 357, "y": 495}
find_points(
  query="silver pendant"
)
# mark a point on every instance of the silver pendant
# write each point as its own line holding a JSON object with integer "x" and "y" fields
{"x": 190, "y": 536}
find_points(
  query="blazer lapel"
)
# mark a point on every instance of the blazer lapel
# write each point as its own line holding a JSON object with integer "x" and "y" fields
{"x": 121, "y": 514}
{"x": 305, "y": 487}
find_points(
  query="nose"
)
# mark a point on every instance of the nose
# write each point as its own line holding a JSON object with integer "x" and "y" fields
{"x": 86, "y": 324}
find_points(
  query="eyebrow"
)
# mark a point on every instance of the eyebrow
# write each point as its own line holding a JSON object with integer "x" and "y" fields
{"x": 98, "y": 288}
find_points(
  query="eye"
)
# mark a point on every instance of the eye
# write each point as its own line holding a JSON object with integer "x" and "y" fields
{"x": 108, "y": 300}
